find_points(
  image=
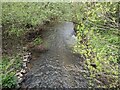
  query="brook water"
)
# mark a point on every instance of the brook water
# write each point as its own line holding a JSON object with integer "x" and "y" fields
{"x": 58, "y": 67}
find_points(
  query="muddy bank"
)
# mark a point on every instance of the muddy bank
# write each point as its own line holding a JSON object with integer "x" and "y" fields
{"x": 58, "y": 66}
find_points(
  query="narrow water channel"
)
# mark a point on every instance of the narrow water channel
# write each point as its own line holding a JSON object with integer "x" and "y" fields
{"x": 58, "y": 67}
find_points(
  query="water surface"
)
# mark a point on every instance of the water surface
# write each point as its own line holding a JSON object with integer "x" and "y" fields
{"x": 57, "y": 67}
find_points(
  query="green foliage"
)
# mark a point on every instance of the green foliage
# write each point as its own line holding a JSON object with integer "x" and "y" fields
{"x": 20, "y": 14}
{"x": 9, "y": 80}
{"x": 98, "y": 44}
{"x": 8, "y": 69}
{"x": 37, "y": 41}
{"x": 16, "y": 31}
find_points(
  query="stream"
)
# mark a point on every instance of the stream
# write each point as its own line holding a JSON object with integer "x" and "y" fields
{"x": 58, "y": 67}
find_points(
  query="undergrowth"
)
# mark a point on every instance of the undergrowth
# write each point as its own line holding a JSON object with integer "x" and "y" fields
{"x": 9, "y": 66}
{"x": 98, "y": 44}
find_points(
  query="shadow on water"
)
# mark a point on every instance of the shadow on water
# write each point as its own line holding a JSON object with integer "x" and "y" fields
{"x": 57, "y": 67}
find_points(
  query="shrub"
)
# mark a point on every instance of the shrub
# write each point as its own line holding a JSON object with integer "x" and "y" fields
{"x": 99, "y": 46}
{"x": 21, "y": 14}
